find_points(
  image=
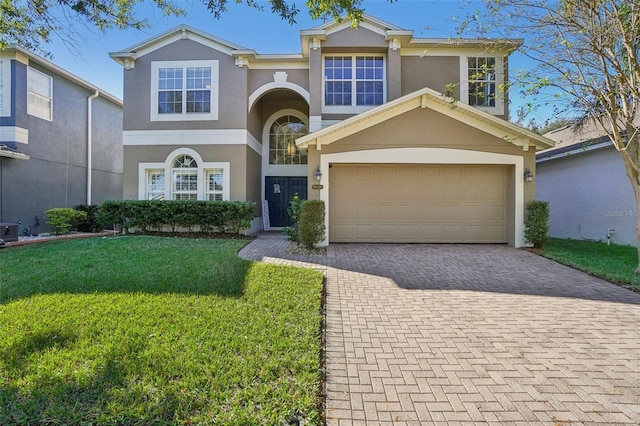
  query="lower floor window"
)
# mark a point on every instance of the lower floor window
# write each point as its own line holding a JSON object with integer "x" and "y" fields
{"x": 185, "y": 185}
{"x": 190, "y": 178}
{"x": 155, "y": 185}
{"x": 215, "y": 180}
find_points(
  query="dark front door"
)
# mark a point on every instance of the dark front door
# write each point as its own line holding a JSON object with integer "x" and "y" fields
{"x": 278, "y": 192}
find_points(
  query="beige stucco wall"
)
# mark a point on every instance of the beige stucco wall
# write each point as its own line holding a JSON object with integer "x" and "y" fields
{"x": 423, "y": 128}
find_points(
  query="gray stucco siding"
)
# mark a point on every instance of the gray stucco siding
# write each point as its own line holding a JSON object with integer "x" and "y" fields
{"x": 232, "y": 89}
{"x": 589, "y": 189}
{"x": 55, "y": 175}
{"x": 258, "y": 78}
{"x": 434, "y": 72}
{"x": 236, "y": 155}
{"x": 360, "y": 38}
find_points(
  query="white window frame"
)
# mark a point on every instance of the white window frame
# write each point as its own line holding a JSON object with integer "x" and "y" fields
{"x": 167, "y": 166}
{"x": 32, "y": 75}
{"x": 208, "y": 192}
{"x": 184, "y": 115}
{"x": 353, "y": 108}
{"x": 498, "y": 109}
{"x": 148, "y": 190}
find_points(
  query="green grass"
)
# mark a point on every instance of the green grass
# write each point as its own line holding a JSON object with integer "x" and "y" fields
{"x": 613, "y": 263}
{"x": 156, "y": 331}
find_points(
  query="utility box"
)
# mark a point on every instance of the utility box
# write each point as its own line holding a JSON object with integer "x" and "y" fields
{"x": 9, "y": 232}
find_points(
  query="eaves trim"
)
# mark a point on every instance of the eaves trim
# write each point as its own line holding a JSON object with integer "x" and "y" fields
{"x": 427, "y": 98}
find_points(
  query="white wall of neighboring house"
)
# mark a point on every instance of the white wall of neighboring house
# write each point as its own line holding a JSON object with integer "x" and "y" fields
{"x": 589, "y": 194}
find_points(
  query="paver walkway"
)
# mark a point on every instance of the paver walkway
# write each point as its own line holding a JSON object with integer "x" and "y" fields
{"x": 470, "y": 334}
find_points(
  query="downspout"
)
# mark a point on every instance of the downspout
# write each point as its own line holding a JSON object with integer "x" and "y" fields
{"x": 89, "y": 146}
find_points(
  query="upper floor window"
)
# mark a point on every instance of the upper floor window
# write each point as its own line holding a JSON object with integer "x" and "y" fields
{"x": 482, "y": 73}
{"x": 356, "y": 82}
{"x": 184, "y": 90}
{"x": 282, "y": 141}
{"x": 39, "y": 94}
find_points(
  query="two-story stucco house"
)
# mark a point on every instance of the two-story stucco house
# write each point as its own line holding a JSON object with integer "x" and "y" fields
{"x": 60, "y": 140}
{"x": 357, "y": 118}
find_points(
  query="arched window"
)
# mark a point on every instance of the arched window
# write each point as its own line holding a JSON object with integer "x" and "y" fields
{"x": 185, "y": 178}
{"x": 184, "y": 175}
{"x": 282, "y": 141}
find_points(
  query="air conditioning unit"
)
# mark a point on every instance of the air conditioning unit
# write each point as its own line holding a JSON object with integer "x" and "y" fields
{"x": 9, "y": 232}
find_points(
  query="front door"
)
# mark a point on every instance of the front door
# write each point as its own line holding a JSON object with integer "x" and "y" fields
{"x": 278, "y": 192}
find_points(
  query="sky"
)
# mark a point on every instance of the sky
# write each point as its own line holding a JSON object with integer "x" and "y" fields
{"x": 262, "y": 31}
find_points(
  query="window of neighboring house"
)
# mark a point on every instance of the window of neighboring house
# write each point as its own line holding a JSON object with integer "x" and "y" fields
{"x": 282, "y": 141}
{"x": 39, "y": 94}
{"x": 186, "y": 90}
{"x": 155, "y": 184}
{"x": 356, "y": 81}
{"x": 482, "y": 73}
{"x": 215, "y": 184}
{"x": 185, "y": 178}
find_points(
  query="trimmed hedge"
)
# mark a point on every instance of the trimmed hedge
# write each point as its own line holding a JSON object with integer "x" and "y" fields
{"x": 311, "y": 228}
{"x": 63, "y": 219}
{"x": 536, "y": 227}
{"x": 155, "y": 215}
{"x": 89, "y": 224}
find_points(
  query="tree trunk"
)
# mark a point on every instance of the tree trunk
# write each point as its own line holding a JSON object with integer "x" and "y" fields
{"x": 634, "y": 176}
{"x": 637, "y": 192}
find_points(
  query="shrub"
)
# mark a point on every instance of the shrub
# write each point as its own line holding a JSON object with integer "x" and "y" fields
{"x": 536, "y": 229}
{"x": 89, "y": 223}
{"x": 153, "y": 215}
{"x": 63, "y": 219}
{"x": 294, "y": 213}
{"x": 312, "y": 226}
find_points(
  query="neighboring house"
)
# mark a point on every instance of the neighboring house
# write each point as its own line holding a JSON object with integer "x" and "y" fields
{"x": 60, "y": 140}
{"x": 584, "y": 179}
{"x": 357, "y": 119}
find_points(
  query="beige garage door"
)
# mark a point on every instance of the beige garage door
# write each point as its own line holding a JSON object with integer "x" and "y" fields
{"x": 418, "y": 203}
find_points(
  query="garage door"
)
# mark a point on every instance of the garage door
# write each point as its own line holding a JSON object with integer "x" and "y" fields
{"x": 418, "y": 203}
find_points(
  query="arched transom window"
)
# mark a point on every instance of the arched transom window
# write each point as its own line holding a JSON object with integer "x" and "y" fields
{"x": 282, "y": 141}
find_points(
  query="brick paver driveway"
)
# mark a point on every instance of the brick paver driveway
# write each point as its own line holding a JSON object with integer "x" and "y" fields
{"x": 471, "y": 334}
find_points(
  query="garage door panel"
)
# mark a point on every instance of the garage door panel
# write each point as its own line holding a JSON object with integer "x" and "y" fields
{"x": 418, "y": 203}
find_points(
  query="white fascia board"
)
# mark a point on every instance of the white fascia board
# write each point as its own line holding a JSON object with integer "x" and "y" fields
{"x": 12, "y": 154}
{"x": 449, "y": 50}
{"x": 347, "y": 24}
{"x": 427, "y": 98}
{"x": 22, "y": 54}
{"x": 190, "y": 137}
{"x": 579, "y": 149}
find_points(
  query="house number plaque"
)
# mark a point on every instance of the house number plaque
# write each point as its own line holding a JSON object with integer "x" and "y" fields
{"x": 317, "y": 186}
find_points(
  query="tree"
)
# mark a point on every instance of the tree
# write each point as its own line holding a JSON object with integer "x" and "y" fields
{"x": 586, "y": 51}
{"x": 32, "y": 23}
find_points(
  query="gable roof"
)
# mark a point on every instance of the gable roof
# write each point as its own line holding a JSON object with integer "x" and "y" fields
{"x": 181, "y": 32}
{"x": 573, "y": 139}
{"x": 61, "y": 71}
{"x": 436, "y": 101}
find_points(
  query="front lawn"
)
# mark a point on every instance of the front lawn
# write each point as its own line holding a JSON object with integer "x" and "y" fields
{"x": 613, "y": 263}
{"x": 156, "y": 331}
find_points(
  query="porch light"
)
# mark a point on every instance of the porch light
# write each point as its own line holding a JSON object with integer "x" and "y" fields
{"x": 318, "y": 174}
{"x": 528, "y": 176}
